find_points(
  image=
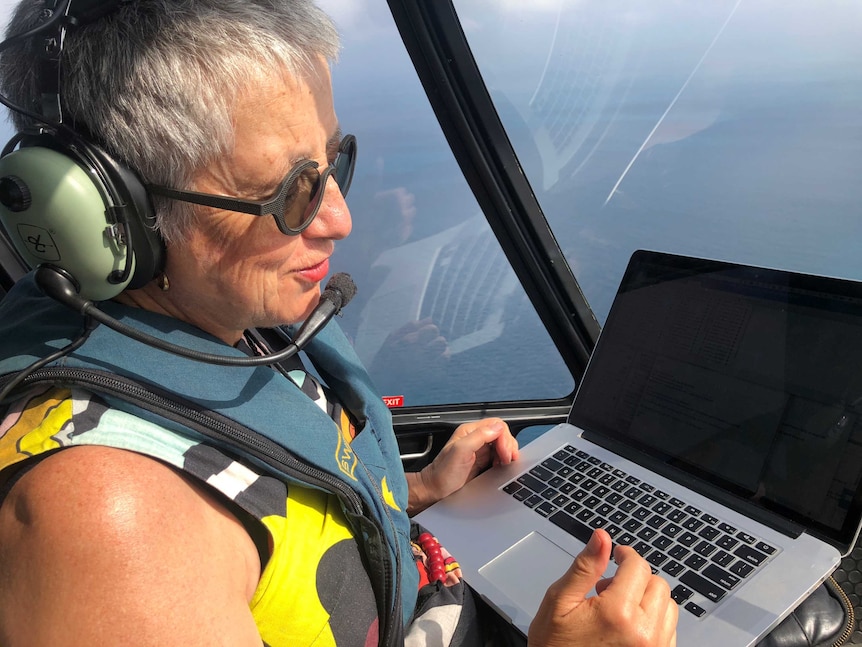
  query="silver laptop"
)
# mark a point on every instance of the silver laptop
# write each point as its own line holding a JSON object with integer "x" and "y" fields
{"x": 717, "y": 429}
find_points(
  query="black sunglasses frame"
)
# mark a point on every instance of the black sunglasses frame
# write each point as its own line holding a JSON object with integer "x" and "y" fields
{"x": 341, "y": 168}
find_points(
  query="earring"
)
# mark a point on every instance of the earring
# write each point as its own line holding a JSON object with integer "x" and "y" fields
{"x": 163, "y": 282}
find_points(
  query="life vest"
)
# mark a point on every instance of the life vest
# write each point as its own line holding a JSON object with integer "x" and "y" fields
{"x": 255, "y": 412}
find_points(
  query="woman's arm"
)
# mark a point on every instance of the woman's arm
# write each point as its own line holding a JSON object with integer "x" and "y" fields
{"x": 102, "y": 546}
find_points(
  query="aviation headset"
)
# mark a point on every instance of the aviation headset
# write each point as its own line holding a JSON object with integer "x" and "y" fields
{"x": 64, "y": 201}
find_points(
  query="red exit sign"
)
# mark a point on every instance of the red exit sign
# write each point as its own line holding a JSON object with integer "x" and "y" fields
{"x": 393, "y": 401}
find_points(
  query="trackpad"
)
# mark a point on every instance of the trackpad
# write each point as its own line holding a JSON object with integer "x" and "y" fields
{"x": 526, "y": 570}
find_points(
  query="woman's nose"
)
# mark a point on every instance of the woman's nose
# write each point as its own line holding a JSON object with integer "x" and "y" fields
{"x": 333, "y": 219}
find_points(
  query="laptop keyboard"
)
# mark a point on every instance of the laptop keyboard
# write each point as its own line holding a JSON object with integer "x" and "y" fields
{"x": 701, "y": 556}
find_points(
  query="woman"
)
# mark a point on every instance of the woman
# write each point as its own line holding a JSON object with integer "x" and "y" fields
{"x": 119, "y": 524}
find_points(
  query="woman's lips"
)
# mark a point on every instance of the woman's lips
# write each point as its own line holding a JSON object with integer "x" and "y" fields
{"x": 315, "y": 273}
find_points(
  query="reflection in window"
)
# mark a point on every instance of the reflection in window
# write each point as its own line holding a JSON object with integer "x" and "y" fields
{"x": 439, "y": 316}
{"x": 730, "y": 129}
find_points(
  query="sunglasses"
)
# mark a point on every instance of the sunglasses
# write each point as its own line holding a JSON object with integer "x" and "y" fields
{"x": 297, "y": 200}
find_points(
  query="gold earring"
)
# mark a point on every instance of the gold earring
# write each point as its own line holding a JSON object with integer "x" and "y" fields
{"x": 163, "y": 282}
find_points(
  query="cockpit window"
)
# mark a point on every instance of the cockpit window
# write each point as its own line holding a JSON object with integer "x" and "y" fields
{"x": 730, "y": 129}
{"x": 439, "y": 316}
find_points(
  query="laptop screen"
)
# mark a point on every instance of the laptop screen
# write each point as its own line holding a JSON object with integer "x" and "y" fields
{"x": 748, "y": 378}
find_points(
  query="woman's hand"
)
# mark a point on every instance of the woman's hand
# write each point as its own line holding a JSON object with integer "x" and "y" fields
{"x": 471, "y": 449}
{"x": 631, "y": 609}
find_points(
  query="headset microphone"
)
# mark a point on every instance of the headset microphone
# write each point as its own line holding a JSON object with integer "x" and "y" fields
{"x": 340, "y": 289}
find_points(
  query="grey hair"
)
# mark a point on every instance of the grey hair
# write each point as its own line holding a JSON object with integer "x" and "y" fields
{"x": 155, "y": 83}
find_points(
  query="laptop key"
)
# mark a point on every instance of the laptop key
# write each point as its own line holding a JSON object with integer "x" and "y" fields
{"x": 548, "y": 493}
{"x": 522, "y": 494}
{"x": 511, "y": 488}
{"x": 542, "y": 473}
{"x": 692, "y": 524}
{"x": 750, "y": 555}
{"x": 691, "y": 607}
{"x": 613, "y": 530}
{"x": 727, "y": 542}
{"x": 707, "y": 589}
{"x": 530, "y": 481}
{"x": 720, "y": 576}
{"x": 605, "y": 509}
{"x": 614, "y": 497}
{"x": 723, "y": 558}
{"x": 620, "y": 486}
{"x": 671, "y": 530}
{"x": 545, "y": 508}
{"x": 592, "y": 501}
{"x": 657, "y": 558}
{"x": 656, "y": 521}
{"x": 676, "y": 515}
{"x": 742, "y": 569}
{"x": 562, "y": 454}
{"x": 584, "y": 515}
{"x": 705, "y": 548}
{"x": 641, "y": 514}
{"x": 572, "y": 526}
{"x": 552, "y": 464}
{"x": 763, "y": 547}
{"x": 627, "y": 505}
{"x": 748, "y": 539}
{"x": 632, "y": 525}
{"x": 618, "y": 517}
{"x": 681, "y": 593}
{"x": 647, "y": 500}
{"x": 642, "y": 548}
{"x": 673, "y": 568}
{"x": 687, "y": 539}
{"x": 533, "y": 500}
{"x": 661, "y": 508}
{"x": 646, "y": 533}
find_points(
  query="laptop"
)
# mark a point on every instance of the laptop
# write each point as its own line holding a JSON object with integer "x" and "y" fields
{"x": 717, "y": 430}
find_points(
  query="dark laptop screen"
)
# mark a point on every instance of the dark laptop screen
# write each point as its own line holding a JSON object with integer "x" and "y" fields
{"x": 746, "y": 377}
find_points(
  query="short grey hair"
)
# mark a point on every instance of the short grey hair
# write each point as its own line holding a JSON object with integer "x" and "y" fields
{"x": 155, "y": 83}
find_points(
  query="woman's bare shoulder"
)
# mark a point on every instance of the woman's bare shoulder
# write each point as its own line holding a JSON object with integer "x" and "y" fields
{"x": 96, "y": 528}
